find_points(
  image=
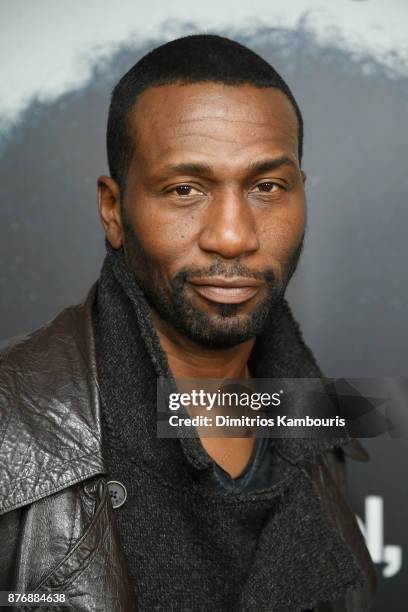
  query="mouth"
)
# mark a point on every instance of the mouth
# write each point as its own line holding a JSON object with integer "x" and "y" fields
{"x": 226, "y": 290}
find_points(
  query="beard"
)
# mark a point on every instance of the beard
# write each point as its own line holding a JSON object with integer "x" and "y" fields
{"x": 226, "y": 326}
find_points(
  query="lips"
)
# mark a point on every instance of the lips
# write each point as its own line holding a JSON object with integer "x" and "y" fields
{"x": 226, "y": 290}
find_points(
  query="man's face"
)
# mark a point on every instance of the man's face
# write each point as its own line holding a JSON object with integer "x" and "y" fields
{"x": 213, "y": 213}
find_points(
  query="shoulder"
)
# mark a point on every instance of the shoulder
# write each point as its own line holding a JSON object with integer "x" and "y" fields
{"x": 34, "y": 366}
{"x": 70, "y": 323}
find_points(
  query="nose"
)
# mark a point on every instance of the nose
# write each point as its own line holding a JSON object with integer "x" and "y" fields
{"x": 229, "y": 227}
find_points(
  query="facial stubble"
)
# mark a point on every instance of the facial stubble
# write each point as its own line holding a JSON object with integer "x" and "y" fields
{"x": 226, "y": 326}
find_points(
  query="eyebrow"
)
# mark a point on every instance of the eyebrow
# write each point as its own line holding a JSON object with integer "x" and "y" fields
{"x": 256, "y": 167}
{"x": 266, "y": 165}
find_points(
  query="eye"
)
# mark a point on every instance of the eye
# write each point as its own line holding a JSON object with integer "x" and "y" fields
{"x": 267, "y": 187}
{"x": 185, "y": 190}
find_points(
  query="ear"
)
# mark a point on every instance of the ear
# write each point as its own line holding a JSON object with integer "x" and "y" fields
{"x": 109, "y": 210}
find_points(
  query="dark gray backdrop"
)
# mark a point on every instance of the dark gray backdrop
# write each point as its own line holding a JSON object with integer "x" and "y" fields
{"x": 350, "y": 290}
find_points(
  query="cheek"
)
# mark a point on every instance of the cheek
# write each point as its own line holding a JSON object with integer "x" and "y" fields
{"x": 166, "y": 237}
{"x": 282, "y": 231}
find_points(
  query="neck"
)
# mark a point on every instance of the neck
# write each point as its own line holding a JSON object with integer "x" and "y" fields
{"x": 188, "y": 359}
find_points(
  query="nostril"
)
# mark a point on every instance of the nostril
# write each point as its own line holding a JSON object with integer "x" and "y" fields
{"x": 229, "y": 241}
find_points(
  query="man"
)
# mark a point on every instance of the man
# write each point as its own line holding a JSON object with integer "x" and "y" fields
{"x": 204, "y": 214}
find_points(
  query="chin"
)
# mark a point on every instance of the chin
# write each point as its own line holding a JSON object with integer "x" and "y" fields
{"x": 222, "y": 333}
{"x": 220, "y": 342}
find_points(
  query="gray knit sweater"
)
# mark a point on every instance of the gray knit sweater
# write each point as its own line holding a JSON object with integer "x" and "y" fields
{"x": 189, "y": 546}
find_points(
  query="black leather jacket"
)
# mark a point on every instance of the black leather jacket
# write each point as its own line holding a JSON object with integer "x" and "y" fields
{"x": 56, "y": 528}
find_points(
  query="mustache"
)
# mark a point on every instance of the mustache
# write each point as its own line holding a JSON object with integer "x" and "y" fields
{"x": 220, "y": 269}
{"x": 238, "y": 269}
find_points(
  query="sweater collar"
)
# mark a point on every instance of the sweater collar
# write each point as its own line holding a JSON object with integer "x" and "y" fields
{"x": 279, "y": 352}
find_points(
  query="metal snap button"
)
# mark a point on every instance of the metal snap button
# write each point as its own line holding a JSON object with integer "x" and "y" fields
{"x": 117, "y": 492}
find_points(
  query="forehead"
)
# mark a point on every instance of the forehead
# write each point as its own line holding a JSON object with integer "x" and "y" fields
{"x": 212, "y": 119}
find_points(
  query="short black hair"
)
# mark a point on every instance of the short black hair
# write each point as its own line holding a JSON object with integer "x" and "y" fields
{"x": 192, "y": 59}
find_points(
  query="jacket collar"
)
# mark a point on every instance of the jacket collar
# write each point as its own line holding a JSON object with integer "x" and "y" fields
{"x": 50, "y": 432}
